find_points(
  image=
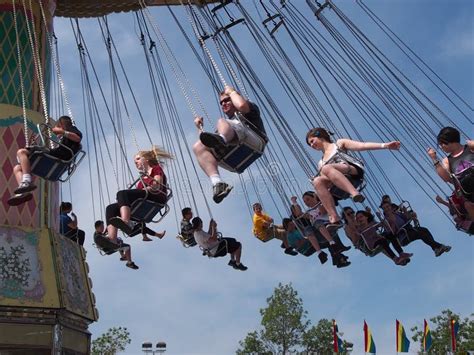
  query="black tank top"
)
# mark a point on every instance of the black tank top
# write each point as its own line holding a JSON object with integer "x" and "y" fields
{"x": 461, "y": 163}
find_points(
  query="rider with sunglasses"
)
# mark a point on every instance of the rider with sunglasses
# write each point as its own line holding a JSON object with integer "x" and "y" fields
{"x": 243, "y": 123}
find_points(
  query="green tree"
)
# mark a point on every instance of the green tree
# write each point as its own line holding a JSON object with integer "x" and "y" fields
{"x": 285, "y": 328}
{"x": 111, "y": 342}
{"x": 441, "y": 333}
{"x": 319, "y": 339}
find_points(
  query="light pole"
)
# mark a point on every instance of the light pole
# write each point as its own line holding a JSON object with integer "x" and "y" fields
{"x": 147, "y": 348}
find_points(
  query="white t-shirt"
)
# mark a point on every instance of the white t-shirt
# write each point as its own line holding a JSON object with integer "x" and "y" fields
{"x": 203, "y": 239}
{"x": 316, "y": 215}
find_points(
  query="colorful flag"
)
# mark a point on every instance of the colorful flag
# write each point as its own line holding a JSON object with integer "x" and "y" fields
{"x": 403, "y": 344}
{"x": 337, "y": 341}
{"x": 454, "y": 333}
{"x": 427, "y": 340}
{"x": 369, "y": 341}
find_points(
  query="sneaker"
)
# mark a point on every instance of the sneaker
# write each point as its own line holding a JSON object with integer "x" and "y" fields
{"x": 212, "y": 140}
{"x": 232, "y": 263}
{"x": 123, "y": 258}
{"x": 25, "y": 186}
{"x": 146, "y": 239}
{"x": 290, "y": 251}
{"x": 406, "y": 255}
{"x": 240, "y": 267}
{"x": 337, "y": 257}
{"x": 401, "y": 261}
{"x": 441, "y": 250}
{"x": 343, "y": 262}
{"x": 132, "y": 265}
{"x": 125, "y": 227}
{"x": 323, "y": 257}
{"x": 344, "y": 248}
{"x": 221, "y": 190}
{"x": 358, "y": 198}
{"x": 19, "y": 199}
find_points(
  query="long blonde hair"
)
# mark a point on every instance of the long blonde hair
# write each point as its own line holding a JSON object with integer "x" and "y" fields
{"x": 155, "y": 156}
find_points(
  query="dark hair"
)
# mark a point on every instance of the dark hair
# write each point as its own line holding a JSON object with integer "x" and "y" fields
{"x": 196, "y": 222}
{"x": 98, "y": 223}
{"x": 370, "y": 216}
{"x": 65, "y": 206}
{"x": 66, "y": 121}
{"x": 319, "y": 133}
{"x": 449, "y": 135}
{"x": 343, "y": 213}
{"x": 310, "y": 194}
{"x": 256, "y": 204}
{"x": 185, "y": 211}
{"x": 286, "y": 222}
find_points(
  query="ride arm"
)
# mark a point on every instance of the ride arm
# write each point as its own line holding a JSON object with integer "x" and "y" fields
{"x": 239, "y": 102}
{"x": 67, "y": 134}
{"x": 442, "y": 168}
{"x": 470, "y": 145}
{"x": 442, "y": 201}
{"x": 348, "y": 144}
{"x": 73, "y": 223}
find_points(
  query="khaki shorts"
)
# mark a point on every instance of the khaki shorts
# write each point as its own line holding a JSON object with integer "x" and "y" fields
{"x": 247, "y": 135}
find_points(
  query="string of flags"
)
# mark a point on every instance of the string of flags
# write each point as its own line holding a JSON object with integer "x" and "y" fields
{"x": 402, "y": 342}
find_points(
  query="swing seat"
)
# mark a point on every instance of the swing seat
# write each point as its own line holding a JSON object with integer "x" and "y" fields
{"x": 106, "y": 246}
{"x": 338, "y": 194}
{"x": 238, "y": 158}
{"x": 187, "y": 242}
{"x": 52, "y": 168}
{"x": 143, "y": 210}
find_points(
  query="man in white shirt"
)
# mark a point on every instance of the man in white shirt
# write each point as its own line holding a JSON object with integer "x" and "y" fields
{"x": 218, "y": 247}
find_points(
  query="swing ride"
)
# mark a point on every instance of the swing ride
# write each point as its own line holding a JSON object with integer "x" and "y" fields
{"x": 321, "y": 63}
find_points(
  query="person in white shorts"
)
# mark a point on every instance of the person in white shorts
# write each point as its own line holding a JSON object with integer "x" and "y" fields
{"x": 243, "y": 124}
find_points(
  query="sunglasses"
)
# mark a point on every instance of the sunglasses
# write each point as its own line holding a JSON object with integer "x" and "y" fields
{"x": 227, "y": 99}
{"x": 350, "y": 213}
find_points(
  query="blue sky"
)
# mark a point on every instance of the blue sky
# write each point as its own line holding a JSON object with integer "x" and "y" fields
{"x": 200, "y": 305}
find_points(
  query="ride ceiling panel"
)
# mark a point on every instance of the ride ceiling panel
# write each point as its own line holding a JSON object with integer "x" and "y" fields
{"x": 95, "y": 8}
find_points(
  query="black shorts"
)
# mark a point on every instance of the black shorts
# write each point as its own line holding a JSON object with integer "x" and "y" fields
{"x": 227, "y": 245}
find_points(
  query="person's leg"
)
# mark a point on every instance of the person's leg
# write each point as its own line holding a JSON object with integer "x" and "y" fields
{"x": 22, "y": 155}
{"x": 335, "y": 173}
{"x": 207, "y": 161}
{"x": 469, "y": 206}
{"x": 424, "y": 235}
{"x": 321, "y": 185}
{"x": 395, "y": 243}
{"x": 125, "y": 198}
{"x": 18, "y": 173}
{"x": 225, "y": 130}
{"x": 81, "y": 236}
{"x": 111, "y": 211}
{"x": 309, "y": 233}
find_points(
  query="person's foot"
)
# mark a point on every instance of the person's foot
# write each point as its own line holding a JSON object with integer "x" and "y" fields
{"x": 240, "y": 267}
{"x": 342, "y": 262}
{"x": 441, "y": 250}
{"x": 358, "y": 198}
{"x": 401, "y": 261}
{"x": 212, "y": 140}
{"x": 146, "y": 239}
{"x": 323, "y": 257}
{"x": 406, "y": 255}
{"x": 160, "y": 235}
{"x": 126, "y": 227}
{"x": 25, "y": 186}
{"x": 337, "y": 257}
{"x": 221, "y": 190}
{"x": 19, "y": 199}
{"x": 232, "y": 263}
{"x": 344, "y": 248}
{"x": 132, "y": 265}
{"x": 290, "y": 251}
{"x": 123, "y": 258}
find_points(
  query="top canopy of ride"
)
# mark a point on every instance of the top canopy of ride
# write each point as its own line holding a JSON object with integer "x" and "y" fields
{"x": 97, "y": 8}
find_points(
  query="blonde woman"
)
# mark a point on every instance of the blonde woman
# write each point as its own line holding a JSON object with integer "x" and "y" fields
{"x": 153, "y": 186}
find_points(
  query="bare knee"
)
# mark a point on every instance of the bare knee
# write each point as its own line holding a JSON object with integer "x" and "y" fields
{"x": 320, "y": 182}
{"x": 198, "y": 148}
{"x": 22, "y": 152}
